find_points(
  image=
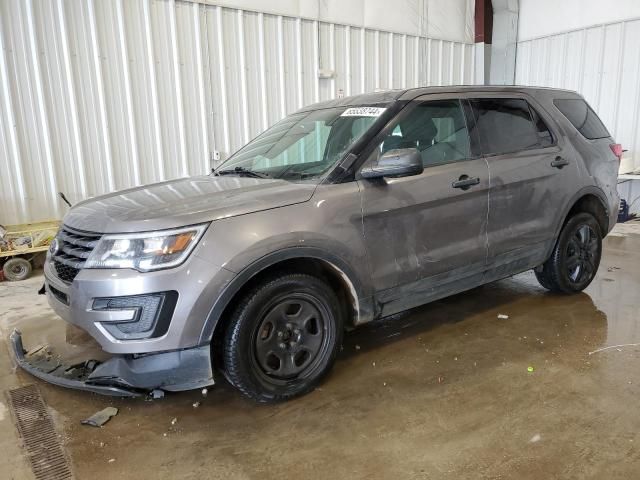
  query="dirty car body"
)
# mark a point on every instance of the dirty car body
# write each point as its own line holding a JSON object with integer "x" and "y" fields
{"x": 392, "y": 200}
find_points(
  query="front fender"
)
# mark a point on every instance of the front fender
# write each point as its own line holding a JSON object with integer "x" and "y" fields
{"x": 327, "y": 228}
{"x": 360, "y": 295}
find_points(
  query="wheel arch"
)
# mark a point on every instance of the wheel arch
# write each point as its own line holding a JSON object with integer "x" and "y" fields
{"x": 590, "y": 200}
{"x": 339, "y": 275}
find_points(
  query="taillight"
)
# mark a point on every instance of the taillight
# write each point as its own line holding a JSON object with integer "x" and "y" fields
{"x": 616, "y": 148}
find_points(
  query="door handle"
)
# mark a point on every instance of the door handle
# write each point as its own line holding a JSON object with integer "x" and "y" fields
{"x": 559, "y": 162}
{"x": 465, "y": 182}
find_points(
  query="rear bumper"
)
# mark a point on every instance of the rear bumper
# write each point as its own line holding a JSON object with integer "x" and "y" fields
{"x": 121, "y": 375}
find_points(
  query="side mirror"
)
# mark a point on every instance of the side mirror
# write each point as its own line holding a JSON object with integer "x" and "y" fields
{"x": 402, "y": 162}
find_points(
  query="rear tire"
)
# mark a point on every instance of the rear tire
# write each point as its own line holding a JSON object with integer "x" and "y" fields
{"x": 282, "y": 338}
{"x": 574, "y": 261}
{"x": 16, "y": 269}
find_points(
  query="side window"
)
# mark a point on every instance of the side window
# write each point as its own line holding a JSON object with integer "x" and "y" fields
{"x": 506, "y": 125}
{"x": 545, "y": 138}
{"x": 580, "y": 114}
{"x": 436, "y": 129}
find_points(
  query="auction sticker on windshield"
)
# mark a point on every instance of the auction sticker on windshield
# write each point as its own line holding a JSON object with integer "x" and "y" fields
{"x": 363, "y": 112}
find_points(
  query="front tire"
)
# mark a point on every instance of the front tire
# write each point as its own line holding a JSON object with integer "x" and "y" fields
{"x": 575, "y": 258}
{"x": 283, "y": 338}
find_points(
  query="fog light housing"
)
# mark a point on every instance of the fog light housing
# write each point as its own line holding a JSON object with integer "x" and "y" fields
{"x": 151, "y": 317}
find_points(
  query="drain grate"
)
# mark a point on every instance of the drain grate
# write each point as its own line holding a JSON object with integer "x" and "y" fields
{"x": 41, "y": 441}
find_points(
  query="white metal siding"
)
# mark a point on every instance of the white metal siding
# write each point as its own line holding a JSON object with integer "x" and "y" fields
{"x": 600, "y": 62}
{"x": 98, "y": 96}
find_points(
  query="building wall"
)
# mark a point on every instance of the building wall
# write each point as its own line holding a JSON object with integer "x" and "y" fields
{"x": 99, "y": 96}
{"x": 601, "y": 61}
{"x": 444, "y": 19}
{"x": 541, "y": 18}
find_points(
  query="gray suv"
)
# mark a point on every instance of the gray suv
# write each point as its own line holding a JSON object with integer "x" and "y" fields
{"x": 343, "y": 212}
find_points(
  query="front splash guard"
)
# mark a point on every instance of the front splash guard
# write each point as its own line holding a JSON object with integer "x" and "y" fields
{"x": 122, "y": 375}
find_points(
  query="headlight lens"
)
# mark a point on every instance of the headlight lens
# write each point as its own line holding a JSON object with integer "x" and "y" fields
{"x": 146, "y": 251}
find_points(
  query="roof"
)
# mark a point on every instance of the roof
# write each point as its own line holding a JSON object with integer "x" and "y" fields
{"x": 376, "y": 98}
{"x": 387, "y": 97}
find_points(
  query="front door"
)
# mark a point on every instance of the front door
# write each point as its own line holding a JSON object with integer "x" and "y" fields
{"x": 426, "y": 234}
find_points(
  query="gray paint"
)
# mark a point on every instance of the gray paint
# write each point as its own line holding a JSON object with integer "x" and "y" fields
{"x": 183, "y": 202}
{"x": 397, "y": 242}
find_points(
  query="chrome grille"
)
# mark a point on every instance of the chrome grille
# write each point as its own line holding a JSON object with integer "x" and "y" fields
{"x": 74, "y": 247}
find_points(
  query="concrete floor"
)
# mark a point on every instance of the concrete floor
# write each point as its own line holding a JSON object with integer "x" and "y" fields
{"x": 441, "y": 392}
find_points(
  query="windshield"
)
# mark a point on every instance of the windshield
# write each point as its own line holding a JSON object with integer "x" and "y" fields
{"x": 302, "y": 146}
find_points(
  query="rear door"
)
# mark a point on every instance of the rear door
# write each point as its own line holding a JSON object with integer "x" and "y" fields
{"x": 529, "y": 172}
{"x": 426, "y": 234}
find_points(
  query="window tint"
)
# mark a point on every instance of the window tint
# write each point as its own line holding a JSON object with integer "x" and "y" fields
{"x": 579, "y": 113}
{"x": 436, "y": 129}
{"x": 545, "y": 138}
{"x": 506, "y": 125}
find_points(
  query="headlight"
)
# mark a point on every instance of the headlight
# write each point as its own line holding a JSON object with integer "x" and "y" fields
{"x": 145, "y": 251}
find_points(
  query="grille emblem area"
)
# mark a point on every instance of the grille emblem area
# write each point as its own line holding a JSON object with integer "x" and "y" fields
{"x": 72, "y": 248}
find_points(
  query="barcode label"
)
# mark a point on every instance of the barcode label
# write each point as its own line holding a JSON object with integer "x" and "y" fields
{"x": 363, "y": 112}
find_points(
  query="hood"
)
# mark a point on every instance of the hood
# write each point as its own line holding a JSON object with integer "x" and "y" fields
{"x": 183, "y": 202}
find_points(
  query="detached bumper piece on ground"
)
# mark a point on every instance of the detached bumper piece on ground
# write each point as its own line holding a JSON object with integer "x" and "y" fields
{"x": 120, "y": 376}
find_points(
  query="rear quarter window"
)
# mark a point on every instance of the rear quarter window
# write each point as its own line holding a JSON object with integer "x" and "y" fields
{"x": 581, "y": 116}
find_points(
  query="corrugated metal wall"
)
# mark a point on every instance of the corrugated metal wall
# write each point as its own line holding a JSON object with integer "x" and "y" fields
{"x": 600, "y": 62}
{"x": 102, "y": 95}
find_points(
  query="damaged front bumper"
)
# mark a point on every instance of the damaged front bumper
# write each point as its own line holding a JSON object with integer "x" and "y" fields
{"x": 121, "y": 375}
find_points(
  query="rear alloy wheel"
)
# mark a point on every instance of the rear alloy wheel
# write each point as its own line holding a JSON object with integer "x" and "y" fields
{"x": 16, "y": 269}
{"x": 283, "y": 338}
{"x": 575, "y": 258}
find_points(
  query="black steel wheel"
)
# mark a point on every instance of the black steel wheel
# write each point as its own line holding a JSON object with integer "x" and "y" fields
{"x": 290, "y": 337}
{"x": 575, "y": 258}
{"x": 282, "y": 338}
{"x": 16, "y": 269}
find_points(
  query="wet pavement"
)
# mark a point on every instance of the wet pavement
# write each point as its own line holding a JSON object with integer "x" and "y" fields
{"x": 441, "y": 392}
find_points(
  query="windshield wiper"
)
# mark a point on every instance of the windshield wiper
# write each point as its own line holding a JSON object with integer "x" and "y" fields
{"x": 242, "y": 171}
